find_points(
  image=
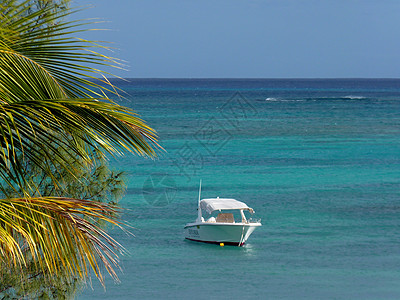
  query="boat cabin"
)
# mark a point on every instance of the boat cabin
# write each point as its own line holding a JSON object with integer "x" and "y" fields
{"x": 223, "y": 210}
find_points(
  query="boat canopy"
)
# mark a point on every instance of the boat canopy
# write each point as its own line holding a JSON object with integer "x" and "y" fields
{"x": 214, "y": 204}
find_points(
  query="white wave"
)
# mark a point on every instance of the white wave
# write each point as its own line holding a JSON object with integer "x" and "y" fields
{"x": 284, "y": 100}
{"x": 351, "y": 97}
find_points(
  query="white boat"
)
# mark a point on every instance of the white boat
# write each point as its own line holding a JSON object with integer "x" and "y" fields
{"x": 222, "y": 229}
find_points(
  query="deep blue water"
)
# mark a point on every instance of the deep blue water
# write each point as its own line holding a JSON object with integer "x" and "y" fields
{"x": 318, "y": 160}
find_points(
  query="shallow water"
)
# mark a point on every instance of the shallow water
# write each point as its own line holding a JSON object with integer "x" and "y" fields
{"x": 318, "y": 160}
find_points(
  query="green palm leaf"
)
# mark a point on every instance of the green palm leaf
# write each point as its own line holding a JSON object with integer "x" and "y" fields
{"x": 52, "y": 108}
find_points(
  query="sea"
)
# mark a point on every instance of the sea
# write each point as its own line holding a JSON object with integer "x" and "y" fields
{"x": 317, "y": 159}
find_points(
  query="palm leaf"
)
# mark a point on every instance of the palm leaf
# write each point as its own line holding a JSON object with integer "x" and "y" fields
{"x": 58, "y": 233}
{"x": 52, "y": 108}
{"x": 41, "y": 90}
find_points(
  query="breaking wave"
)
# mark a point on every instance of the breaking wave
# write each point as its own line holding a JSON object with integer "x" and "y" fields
{"x": 349, "y": 97}
{"x": 354, "y": 97}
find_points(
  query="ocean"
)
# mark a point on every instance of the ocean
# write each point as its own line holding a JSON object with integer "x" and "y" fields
{"x": 317, "y": 159}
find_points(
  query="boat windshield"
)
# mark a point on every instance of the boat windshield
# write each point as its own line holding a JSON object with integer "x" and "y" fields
{"x": 226, "y": 216}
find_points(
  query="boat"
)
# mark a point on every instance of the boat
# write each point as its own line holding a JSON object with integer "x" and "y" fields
{"x": 226, "y": 225}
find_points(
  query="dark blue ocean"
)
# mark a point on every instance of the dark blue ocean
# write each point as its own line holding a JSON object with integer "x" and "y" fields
{"x": 318, "y": 160}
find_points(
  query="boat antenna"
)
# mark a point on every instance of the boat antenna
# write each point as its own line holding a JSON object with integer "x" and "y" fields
{"x": 199, "y": 214}
{"x": 199, "y": 191}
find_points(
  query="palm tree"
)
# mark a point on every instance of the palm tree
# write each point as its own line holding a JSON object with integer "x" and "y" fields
{"x": 52, "y": 110}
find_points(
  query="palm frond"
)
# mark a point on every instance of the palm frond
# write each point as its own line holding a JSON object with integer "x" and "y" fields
{"x": 58, "y": 233}
{"x": 48, "y": 93}
{"x": 51, "y": 106}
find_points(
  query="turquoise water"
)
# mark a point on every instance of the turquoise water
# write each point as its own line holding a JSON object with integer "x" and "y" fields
{"x": 318, "y": 160}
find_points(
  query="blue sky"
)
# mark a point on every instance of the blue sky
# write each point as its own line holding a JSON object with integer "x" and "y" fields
{"x": 251, "y": 39}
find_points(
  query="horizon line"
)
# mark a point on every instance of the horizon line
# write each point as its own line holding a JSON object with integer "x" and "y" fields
{"x": 258, "y": 78}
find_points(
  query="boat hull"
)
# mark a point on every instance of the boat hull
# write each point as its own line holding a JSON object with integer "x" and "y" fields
{"x": 215, "y": 233}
